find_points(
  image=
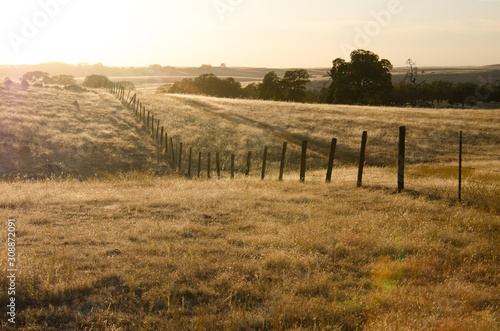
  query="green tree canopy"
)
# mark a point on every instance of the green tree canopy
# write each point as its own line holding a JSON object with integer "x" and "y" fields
{"x": 271, "y": 87}
{"x": 364, "y": 80}
{"x": 294, "y": 85}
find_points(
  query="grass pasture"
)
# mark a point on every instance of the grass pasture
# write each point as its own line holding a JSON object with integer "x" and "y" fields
{"x": 128, "y": 250}
{"x": 49, "y": 131}
{"x": 144, "y": 253}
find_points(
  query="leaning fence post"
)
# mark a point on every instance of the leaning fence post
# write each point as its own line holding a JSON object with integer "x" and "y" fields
{"x": 249, "y": 161}
{"x": 460, "y": 168}
{"x": 401, "y": 159}
{"x": 303, "y": 161}
{"x": 330, "y": 161}
{"x": 362, "y": 158}
{"x": 282, "y": 164}
{"x": 264, "y": 161}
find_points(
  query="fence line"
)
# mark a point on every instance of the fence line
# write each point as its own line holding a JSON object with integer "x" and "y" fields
{"x": 175, "y": 158}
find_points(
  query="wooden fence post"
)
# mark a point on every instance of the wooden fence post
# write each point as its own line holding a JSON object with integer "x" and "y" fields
{"x": 199, "y": 164}
{"x": 149, "y": 118}
{"x": 460, "y": 155}
{"x": 401, "y": 158}
{"x": 152, "y": 126}
{"x": 166, "y": 144}
{"x": 330, "y": 161}
{"x": 161, "y": 137}
{"x": 303, "y": 161}
{"x": 249, "y": 163}
{"x": 208, "y": 166}
{"x": 172, "y": 151}
{"x": 180, "y": 158}
{"x": 362, "y": 158}
{"x": 189, "y": 161}
{"x": 282, "y": 164}
{"x": 217, "y": 164}
{"x": 232, "y": 166}
{"x": 157, "y": 131}
{"x": 264, "y": 163}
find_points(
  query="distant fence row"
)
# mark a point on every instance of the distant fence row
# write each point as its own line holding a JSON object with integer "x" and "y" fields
{"x": 188, "y": 163}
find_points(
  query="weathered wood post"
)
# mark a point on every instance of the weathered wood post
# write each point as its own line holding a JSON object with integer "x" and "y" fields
{"x": 208, "y": 165}
{"x": 232, "y": 166}
{"x": 172, "y": 151}
{"x": 161, "y": 137}
{"x": 152, "y": 126}
{"x": 199, "y": 164}
{"x": 401, "y": 158}
{"x": 189, "y": 161}
{"x": 362, "y": 158}
{"x": 166, "y": 144}
{"x": 249, "y": 161}
{"x": 180, "y": 158}
{"x": 157, "y": 131}
{"x": 217, "y": 164}
{"x": 330, "y": 161}
{"x": 303, "y": 158}
{"x": 282, "y": 164}
{"x": 264, "y": 163}
{"x": 460, "y": 155}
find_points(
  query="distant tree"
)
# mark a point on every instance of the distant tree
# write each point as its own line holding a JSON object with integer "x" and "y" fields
{"x": 439, "y": 91}
{"x": 464, "y": 94}
{"x": 412, "y": 77}
{"x": 186, "y": 86}
{"x": 96, "y": 81}
{"x": 208, "y": 84}
{"x": 294, "y": 85}
{"x": 403, "y": 94}
{"x": 364, "y": 80}
{"x": 251, "y": 91}
{"x": 271, "y": 87}
{"x": 37, "y": 77}
{"x": 223, "y": 65}
{"x": 495, "y": 91}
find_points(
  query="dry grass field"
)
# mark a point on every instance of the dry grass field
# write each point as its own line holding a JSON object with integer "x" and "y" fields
{"x": 127, "y": 250}
{"x": 142, "y": 253}
{"x": 46, "y": 131}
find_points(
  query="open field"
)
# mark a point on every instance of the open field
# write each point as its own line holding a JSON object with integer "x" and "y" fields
{"x": 53, "y": 131}
{"x": 128, "y": 250}
{"x": 135, "y": 252}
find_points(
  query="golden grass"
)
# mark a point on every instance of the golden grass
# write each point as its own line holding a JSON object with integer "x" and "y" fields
{"x": 128, "y": 250}
{"x": 146, "y": 253}
{"x": 236, "y": 126}
{"x": 50, "y": 131}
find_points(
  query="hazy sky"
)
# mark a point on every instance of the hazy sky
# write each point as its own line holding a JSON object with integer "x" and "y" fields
{"x": 263, "y": 33}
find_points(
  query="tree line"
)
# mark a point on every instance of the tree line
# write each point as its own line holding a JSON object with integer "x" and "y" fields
{"x": 364, "y": 80}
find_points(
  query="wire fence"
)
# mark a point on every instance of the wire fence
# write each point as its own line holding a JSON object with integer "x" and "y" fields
{"x": 419, "y": 167}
